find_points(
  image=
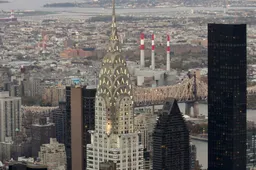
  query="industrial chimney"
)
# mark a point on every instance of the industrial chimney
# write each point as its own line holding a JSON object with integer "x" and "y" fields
{"x": 168, "y": 50}
{"x": 153, "y": 52}
{"x": 12, "y": 14}
{"x": 142, "y": 52}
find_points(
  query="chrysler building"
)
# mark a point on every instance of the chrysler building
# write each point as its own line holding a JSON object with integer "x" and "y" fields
{"x": 114, "y": 138}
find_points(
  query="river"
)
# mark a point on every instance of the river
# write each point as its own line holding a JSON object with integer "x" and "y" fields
{"x": 202, "y": 147}
{"x": 38, "y": 5}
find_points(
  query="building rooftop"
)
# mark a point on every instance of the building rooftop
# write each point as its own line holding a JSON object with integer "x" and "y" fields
{"x": 29, "y": 165}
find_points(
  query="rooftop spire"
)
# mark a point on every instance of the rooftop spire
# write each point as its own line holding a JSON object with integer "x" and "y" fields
{"x": 113, "y": 12}
{"x": 114, "y": 42}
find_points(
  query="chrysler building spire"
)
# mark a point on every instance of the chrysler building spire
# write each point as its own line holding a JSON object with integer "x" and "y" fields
{"x": 114, "y": 138}
{"x": 114, "y": 41}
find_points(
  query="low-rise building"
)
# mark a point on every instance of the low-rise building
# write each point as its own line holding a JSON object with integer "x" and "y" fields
{"x": 53, "y": 155}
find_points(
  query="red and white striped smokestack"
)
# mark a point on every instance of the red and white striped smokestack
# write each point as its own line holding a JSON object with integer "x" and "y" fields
{"x": 153, "y": 52}
{"x": 142, "y": 50}
{"x": 12, "y": 14}
{"x": 168, "y": 50}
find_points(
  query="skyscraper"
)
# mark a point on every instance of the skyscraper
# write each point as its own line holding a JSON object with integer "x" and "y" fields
{"x": 171, "y": 148}
{"x": 67, "y": 127}
{"x": 53, "y": 155}
{"x": 58, "y": 119}
{"x": 10, "y": 114}
{"x": 82, "y": 120}
{"x": 41, "y": 134}
{"x": 226, "y": 97}
{"x": 114, "y": 138}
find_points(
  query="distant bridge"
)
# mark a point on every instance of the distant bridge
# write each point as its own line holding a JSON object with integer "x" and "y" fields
{"x": 190, "y": 91}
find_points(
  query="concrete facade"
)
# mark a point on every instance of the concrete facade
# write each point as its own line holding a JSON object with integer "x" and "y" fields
{"x": 53, "y": 155}
{"x": 11, "y": 117}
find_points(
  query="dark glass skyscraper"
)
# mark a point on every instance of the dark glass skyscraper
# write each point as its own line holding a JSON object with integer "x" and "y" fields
{"x": 227, "y": 97}
{"x": 67, "y": 127}
{"x": 58, "y": 119}
{"x": 171, "y": 140}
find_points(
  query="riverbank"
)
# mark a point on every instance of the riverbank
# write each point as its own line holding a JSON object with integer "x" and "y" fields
{"x": 251, "y": 102}
{"x": 62, "y": 5}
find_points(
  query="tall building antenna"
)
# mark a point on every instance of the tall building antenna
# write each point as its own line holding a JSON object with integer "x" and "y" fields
{"x": 12, "y": 14}
{"x": 153, "y": 53}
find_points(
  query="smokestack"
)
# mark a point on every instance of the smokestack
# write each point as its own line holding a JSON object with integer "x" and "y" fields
{"x": 12, "y": 14}
{"x": 142, "y": 50}
{"x": 168, "y": 50}
{"x": 153, "y": 52}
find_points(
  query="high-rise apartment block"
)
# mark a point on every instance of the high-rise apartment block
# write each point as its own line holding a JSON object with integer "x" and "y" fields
{"x": 144, "y": 123}
{"x": 114, "y": 138}
{"x": 15, "y": 90}
{"x": 6, "y": 149}
{"x": 33, "y": 87}
{"x": 53, "y": 155}
{"x": 11, "y": 117}
{"x": 41, "y": 134}
{"x": 171, "y": 139}
{"x": 53, "y": 95}
{"x": 32, "y": 114}
{"x": 227, "y": 96}
{"x": 67, "y": 127}
{"x": 4, "y": 78}
{"x": 58, "y": 118}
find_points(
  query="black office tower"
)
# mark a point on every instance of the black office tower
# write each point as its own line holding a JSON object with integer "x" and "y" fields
{"x": 88, "y": 118}
{"x": 226, "y": 97}
{"x": 58, "y": 117}
{"x": 67, "y": 127}
{"x": 171, "y": 150}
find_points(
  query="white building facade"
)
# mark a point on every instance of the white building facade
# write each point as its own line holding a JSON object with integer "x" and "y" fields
{"x": 53, "y": 155}
{"x": 10, "y": 115}
{"x": 114, "y": 138}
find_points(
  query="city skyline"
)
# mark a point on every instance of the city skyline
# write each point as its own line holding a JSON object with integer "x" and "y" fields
{"x": 157, "y": 100}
